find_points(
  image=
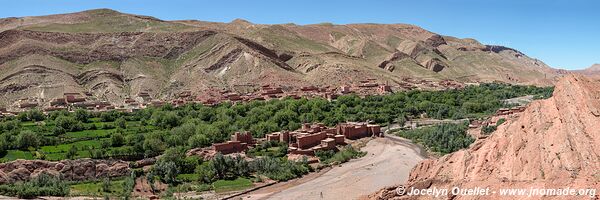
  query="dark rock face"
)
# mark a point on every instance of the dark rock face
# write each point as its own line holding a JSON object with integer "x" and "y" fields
{"x": 434, "y": 64}
{"x": 387, "y": 63}
{"x": 435, "y": 40}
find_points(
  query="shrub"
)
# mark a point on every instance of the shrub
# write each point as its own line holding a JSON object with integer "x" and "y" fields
{"x": 279, "y": 169}
{"x": 444, "y": 138}
{"x": 27, "y": 139}
{"x": 342, "y": 156}
{"x": 82, "y": 115}
{"x": 72, "y": 152}
{"x": 43, "y": 185}
{"x": 121, "y": 123}
{"x": 117, "y": 139}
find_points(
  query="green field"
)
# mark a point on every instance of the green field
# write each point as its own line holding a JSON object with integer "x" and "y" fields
{"x": 17, "y": 154}
{"x": 188, "y": 177}
{"x": 95, "y": 188}
{"x": 232, "y": 185}
{"x": 88, "y": 134}
{"x": 86, "y": 144}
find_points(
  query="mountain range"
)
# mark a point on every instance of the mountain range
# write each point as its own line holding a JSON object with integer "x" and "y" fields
{"x": 112, "y": 56}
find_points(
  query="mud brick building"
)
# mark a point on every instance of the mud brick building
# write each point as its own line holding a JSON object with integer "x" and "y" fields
{"x": 313, "y": 137}
{"x": 244, "y": 137}
{"x": 72, "y": 97}
{"x": 356, "y": 130}
{"x": 58, "y": 102}
{"x": 229, "y": 147}
{"x": 239, "y": 142}
{"x": 27, "y": 104}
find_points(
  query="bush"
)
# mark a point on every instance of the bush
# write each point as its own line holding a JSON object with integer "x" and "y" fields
{"x": 117, "y": 139}
{"x": 43, "y": 185}
{"x": 486, "y": 130}
{"x": 72, "y": 152}
{"x": 35, "y": 115}
{"x": 82, "y": 115}
{"x": 121, "y": 123}
{"x": 344, "y": 155}
{"x": 279, "y": 169}
{"x": 28, "y": 139}
{"x": 444, "y": 138}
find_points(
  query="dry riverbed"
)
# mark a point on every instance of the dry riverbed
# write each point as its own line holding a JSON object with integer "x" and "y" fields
{"x": 388, "y": 162}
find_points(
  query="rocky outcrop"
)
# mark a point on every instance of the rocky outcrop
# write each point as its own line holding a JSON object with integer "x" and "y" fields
{"x": 434, "y": 64}
{"x": 387, "y": 63}
{"x": 77, "y": 170}
{"x": 435, "y": 40}
{"x": 553, "y": 144}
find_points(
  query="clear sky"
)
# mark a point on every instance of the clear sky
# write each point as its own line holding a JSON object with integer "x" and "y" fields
{"x": 562, "y": 33}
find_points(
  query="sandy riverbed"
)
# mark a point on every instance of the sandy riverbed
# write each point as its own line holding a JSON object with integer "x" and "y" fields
{"x": 388, "y": 162}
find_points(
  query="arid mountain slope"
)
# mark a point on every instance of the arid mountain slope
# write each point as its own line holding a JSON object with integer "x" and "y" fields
{"x": 113, "y": 56}
{"x": 593, "y": 70}
{"x": 553, "y": 144}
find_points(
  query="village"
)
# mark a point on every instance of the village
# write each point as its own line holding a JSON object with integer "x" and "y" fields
{"x": 70, "y": 101}
{"x": 302, "y": 143}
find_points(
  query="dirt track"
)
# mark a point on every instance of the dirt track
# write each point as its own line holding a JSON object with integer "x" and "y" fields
{"x": 388, "y": 162}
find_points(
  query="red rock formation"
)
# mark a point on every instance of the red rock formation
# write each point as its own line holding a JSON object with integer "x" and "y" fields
{"x": 82, "y": 169}
{"x": 555, "y": 143}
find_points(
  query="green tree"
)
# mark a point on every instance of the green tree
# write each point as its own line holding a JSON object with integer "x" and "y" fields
{"x": 82, "y": 115}
{"x": 28, "y": 138}
{"x": 121, "y": 123}
{"x": 117, "y": 139}
{"x": 35, "y": 115}
{"x": 72, "y": 152}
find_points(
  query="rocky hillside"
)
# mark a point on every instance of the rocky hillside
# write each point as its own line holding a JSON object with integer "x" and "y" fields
{"x": 75, "y": 170}
{"x": 553, "y": 144}
{"x": 593, "y": 70}
{"x": 113, "y": 56}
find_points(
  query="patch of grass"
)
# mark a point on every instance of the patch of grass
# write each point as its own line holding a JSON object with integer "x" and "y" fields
{"x": 232, "y": 185}
{"x": 88, "y": 134}
{"x": 17, "y": 154}
{"x": 188, "y": 177}
{"x": 342, "y": 156}
{"x": 86, "y": 144}
{"x": 111, "y": 22}
{"x": 95, "y": 188}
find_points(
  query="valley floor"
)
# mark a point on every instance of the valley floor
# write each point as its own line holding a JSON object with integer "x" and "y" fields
{"x": 388, "y": 162}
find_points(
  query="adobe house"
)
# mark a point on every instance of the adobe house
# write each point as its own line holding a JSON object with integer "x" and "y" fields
{"x": 239, "y": 142}
{"x": 28, "y": 104}
{"x": 309, "y": 88}
{"x": 58, "y": 102}
{"x": 229, "y": 147}
{"x": 313, "y": 137}
{"x": 72, "y": 97}
{"x": 244, "y": 137}
{"x": 357, "y": 130}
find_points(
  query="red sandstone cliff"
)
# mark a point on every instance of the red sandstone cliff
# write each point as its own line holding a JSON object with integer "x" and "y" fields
{"x": 555, "y": 143}
{"x": 81, "y": 169}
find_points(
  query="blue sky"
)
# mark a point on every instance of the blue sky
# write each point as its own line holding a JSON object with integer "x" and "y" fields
{"x": 562, "y": 33}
